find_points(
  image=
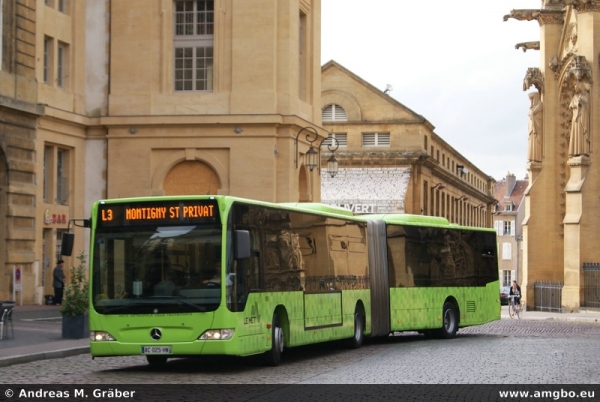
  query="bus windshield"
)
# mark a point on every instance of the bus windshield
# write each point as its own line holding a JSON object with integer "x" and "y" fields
{"x": 157, "y": 269}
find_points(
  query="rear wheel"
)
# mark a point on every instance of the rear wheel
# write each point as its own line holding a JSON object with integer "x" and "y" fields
{"x": 449, "y": 321}
{"x": 157, "y": 361}
{"x": 359, "y": 330}
{"x": 273, "y": 356}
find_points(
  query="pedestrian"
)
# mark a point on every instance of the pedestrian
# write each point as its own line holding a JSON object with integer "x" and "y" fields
{"x": 59, "y": 282}
{"x": 515, "y": 290}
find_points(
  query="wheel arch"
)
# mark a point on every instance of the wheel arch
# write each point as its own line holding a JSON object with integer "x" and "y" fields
{"x": 452, "y": 299}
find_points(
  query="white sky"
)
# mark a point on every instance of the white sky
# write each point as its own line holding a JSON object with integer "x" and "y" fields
{"x": 452, "y": 62}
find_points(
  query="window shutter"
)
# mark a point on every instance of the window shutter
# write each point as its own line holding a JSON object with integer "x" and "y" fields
{"x": 383, "y": 139}
{"x": 342, "y": 139}
{"x": 340, "y": 113}
{"x": 506, "y": 251}
{"x": 368, "y": 139}
{"x": 512, "y": 228}
{"x": 498, "y": 225}
{"x": 327, "y": 114}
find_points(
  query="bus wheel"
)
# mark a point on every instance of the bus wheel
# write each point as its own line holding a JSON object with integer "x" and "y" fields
{"x": 157, "y": 361}
{"x": 273, "y": 356}
{"x": 359, "y": 330}
{"x": 449, "y": 321}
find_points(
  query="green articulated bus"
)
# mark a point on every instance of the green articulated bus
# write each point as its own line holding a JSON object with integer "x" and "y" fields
{"x": 217, "y": 275}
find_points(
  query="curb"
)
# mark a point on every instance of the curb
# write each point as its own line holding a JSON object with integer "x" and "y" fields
{"x": 55, "y": 354}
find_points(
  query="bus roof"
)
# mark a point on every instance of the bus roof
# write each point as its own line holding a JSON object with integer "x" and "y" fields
{"x": 315, "y": 206}
{"x": 420, "y": 220}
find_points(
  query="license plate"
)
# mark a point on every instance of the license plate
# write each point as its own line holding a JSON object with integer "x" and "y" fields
{"x": 156, "y": 350}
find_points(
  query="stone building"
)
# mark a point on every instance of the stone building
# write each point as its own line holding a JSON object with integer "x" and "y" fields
{"x": 215, "y": 97}
{"x": 19, "y": 111}
{"x": 508, "y": 217}
{"x": 560, "y": 227}
{"x": 96, "y": 105}
{"x": 390, "y": 158}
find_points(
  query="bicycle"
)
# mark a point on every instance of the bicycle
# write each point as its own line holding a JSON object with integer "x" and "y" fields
{"x": 515, "y": 309}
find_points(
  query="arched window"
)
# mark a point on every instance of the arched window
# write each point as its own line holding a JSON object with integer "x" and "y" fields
{"x": 334, "y": 112}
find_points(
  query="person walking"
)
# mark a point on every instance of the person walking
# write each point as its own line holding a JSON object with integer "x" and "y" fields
{"x": 58, "y": 282}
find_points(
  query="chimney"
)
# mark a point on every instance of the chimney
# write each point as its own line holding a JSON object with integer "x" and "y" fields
{"x": 511, "y": 181}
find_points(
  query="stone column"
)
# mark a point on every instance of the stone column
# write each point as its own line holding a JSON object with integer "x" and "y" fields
{"x": 572, "y": 223}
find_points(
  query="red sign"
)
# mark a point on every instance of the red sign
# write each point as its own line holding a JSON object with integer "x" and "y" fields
{"x": 54, "y": 218}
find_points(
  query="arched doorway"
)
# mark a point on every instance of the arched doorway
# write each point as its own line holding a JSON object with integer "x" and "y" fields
{"x": 191, "y": 177}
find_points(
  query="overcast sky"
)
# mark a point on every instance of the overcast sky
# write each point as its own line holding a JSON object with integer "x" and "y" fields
{"x": 452, "y": 62}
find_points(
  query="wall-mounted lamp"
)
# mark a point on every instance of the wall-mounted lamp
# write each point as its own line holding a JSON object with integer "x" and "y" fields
{"x": 132, "y": 130}
{"x": 480, "y": 206}
{"x": 462, "y": 169}
{"x": 332, "y": 162}
{"x": 313, "y": 157}
{"x": 238, "y": 130}
{"x": 439, "y": 186}
{"x": 463, "y": 198}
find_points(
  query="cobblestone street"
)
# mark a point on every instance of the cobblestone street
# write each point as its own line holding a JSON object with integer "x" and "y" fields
{"x": 548, "y": 352}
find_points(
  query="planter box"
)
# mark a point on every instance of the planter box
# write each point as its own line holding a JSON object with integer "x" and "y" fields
{"x": 75, "y": 326}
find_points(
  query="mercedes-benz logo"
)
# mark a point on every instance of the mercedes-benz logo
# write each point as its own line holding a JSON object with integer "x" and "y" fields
{"x": 155, "y": 334}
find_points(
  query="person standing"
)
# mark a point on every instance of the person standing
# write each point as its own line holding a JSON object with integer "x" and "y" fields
{"x": 58, "y": 282}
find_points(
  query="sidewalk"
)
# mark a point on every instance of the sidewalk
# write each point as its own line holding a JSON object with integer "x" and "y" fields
{"x": 37, "y": 333}
{"x": 37, "y": 336}
{"x": 584, "y": 315}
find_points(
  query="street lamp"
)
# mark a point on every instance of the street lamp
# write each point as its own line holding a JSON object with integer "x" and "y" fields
{"x": 439, "y": 186}
{"x": 332, "y": 162}
{"x": 313, "y": 157}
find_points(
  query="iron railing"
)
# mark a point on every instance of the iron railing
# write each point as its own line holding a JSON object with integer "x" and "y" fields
{"x": 591, "y": 284}
{"x": 548, "y": 296}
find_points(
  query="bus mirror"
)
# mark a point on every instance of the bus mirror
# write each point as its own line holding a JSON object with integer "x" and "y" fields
{"x": 66, "y": 247}
{"x": 242, "y": 244}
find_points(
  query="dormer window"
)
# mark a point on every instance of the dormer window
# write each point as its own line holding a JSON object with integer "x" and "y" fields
{"x": 508, "y": 206}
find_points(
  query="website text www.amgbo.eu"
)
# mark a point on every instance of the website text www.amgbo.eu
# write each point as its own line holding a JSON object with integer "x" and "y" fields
{"x": 555, "y": 395}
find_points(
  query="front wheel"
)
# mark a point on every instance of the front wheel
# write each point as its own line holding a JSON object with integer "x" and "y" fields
{"x": 273, "y": 356}
{"x": 511, "y": 309}
{"x": 518, "y": 310}
{"x": 449, "y": 321}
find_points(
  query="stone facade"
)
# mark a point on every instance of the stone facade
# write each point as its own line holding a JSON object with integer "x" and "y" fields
{"x": 119, "y": 98}
{"x": 18, "y": 113}
{"x": 562, "y": 197}
{"x": 508, "y": 217}
{"x": 390, "y": 158}
{"x": 115, "y": 121}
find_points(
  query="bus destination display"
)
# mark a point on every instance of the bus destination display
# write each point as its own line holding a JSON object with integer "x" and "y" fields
{"x": 163, "y": 213}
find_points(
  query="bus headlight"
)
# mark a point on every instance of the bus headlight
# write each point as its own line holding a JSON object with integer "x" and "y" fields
{"x": 217, "y": 334}
{"x": 100, "y": 336}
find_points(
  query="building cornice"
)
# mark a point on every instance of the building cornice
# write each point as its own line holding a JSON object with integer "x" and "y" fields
{"x": 583, "y": 6}
{"x": 22, "y": 106}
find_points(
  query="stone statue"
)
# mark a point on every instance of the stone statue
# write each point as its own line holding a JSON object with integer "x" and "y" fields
{"x": 534, "y": 142}
{"x": 579, "y": 141}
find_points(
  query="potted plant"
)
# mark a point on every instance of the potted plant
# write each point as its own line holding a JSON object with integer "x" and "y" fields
{"x": 75, "y": 302}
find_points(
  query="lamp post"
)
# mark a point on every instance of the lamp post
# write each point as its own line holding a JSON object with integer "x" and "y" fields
{"x": 313, "y": 157}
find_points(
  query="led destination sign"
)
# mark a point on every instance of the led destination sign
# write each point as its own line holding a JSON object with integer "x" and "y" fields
{"x": 163, "y": 213}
